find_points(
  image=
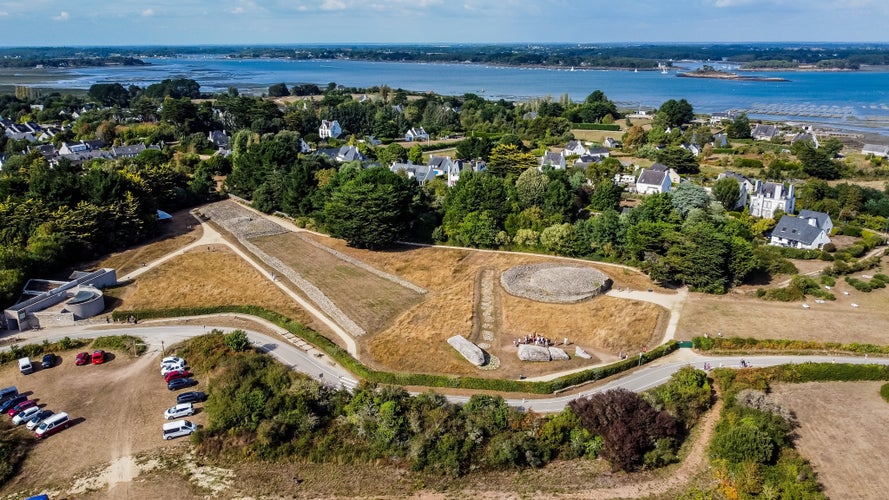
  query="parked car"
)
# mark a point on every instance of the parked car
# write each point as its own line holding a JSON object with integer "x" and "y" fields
{"x": 24, "y": 405}
{"x": 180, "y": 410}
{"x": 82, "y": 358}
{"x": 49, "y": 360}
{"x": 7, "y": 405}
{"x": 8, "y": 392}
{"x": 38, "y": 419}
{"x": 172, "y": 360}
{"x": 181, "y": 383}
{"x": 98, "y": 357}
{"x": 173, "y": 375}
{"x": 52, "y": 425}
{"x": 191, "y": 397}
{"x": 178, "y": 428}
{"x": 25, "y": 366}
{"x": 25, "y": 415}
{"x": 171, "y": 368}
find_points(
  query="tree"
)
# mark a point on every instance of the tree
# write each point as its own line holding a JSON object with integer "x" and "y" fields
{"x": 739, "y": 128}
{"x": 531, "y": 188}
{"x": 505, "y": 159}
{"x": 392, "y": 153}
{"x": 415, "y": 155}
{"x": 371, "y": 210}
{"x": 629, "y": 426}
{"x": 278, "y": 90}
{"x": 688, "y": 196}
{"x": 606, "y": 196}
{"x": 634, "y": 137}
{"x": 816, "y": 162}
{"x": 680, "y": 159}
{"x": 727, "y": 191}
{"x": 237, "y": 341}
{"x": 676, "y": 113}
{"x": 109, "y": 94}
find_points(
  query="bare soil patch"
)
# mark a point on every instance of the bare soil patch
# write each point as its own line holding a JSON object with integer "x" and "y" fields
{"x": 842, "y": 433}
{"x": 741, "y": 314}
{"x": 369, "y": 300}
{"x": 117, "y": 409}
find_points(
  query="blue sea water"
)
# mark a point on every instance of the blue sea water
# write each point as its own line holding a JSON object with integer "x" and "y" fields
{"x": 856, "y": 100}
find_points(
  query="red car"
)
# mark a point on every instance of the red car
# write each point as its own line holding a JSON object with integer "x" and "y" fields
{"x": 173, "y": 375}
{"x": 82, "y": 358}
{"x": 98, "y": 357}
{"x": 24, "y": 405}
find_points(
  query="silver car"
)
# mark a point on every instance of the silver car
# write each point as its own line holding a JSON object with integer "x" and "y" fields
{"x": 179, "y": 411}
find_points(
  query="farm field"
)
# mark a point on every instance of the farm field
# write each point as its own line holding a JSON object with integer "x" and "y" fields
{"x": 741, "y": 314}
{"x": 842, "y": 433}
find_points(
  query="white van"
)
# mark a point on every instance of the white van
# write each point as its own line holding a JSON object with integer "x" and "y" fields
{"x": 25, "y": 365}
{"x": 178, "y": 428}
{"x": 52, "y": 425}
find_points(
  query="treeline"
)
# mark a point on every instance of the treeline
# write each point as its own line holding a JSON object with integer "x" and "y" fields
{"x": 258, "y": 407}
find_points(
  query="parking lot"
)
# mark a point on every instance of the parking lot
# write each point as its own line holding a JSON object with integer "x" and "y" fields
{"x": 116, "y": 410}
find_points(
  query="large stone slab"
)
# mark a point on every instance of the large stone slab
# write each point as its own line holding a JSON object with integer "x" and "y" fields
{"x": 556, "y": 354}
{"x": 579, "y": 352}
{"x": 531, "y": 352}
{"x": 470, "y": 351}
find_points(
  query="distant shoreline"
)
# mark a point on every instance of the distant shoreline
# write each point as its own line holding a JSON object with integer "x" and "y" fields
{"x": 721, "y": 75}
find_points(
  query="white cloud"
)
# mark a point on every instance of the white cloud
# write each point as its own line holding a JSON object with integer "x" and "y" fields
{"x": 63, "y": 16}
{"x": 3, "y": 13}
{"x": 333, "y": 5}
{"x": 148, "y": 12}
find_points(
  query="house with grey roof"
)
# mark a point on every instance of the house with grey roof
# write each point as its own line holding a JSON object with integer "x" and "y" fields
{"x": 798, "y": 232}
{"x": 611, "y": 142}
{"x": 219, "y": 138}
{"x": 805, "y": 137}
{"x": 416, "y": 134}
{"x": 822, "y": 220}
{"x": 670, "y": 171}
{"x": 575, "y": 148}
{"x": 342, "y": 154}
{"x": 764, "y": 132}
{"x": 876, "y": 150}
{"x": 769, "y": 197}
{"x": 653, "y": 182}
{"x": 329, "y": 129}
{"x": 420, "y": 173}
{"x": 553, "y": 159}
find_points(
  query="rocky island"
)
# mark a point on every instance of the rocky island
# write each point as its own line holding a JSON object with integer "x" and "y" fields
{"x": 711, "y": 72}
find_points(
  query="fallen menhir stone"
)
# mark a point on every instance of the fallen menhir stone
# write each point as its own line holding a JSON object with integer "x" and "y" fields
{"x": 579, "y": 352}
{"x": 557, "y": 354}
{"x": 531, "y": 352}
{"x": 470, "y": 351}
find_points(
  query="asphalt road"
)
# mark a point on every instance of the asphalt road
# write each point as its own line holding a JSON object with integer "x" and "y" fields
{"x": 328, "y": 372}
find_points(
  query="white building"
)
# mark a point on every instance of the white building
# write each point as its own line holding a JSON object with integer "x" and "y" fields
{"x": 653, "y": 182}
{"x": 801, "y": 232}
{"x": 329, "y": 129}
{"x": 769, "y": 197}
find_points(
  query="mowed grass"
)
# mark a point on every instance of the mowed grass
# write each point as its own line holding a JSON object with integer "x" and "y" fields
{"x": 417, "y": 340}
{"x": 369, "y": 300}
{"x": 202, "y": 278}
{"x": 744, "y": 315}
{"x": 842, "y": 432}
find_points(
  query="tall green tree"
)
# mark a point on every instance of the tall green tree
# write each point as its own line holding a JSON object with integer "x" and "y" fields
{"x": 371, "y": 210}
{"x": 727, "y": 191}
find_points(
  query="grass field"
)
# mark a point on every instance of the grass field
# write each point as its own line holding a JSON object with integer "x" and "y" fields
{"x": 181, "y": 231}
{"x": 416, "y": 341}
{"x": 743, "y": 315}
{"x": 202, "y": 278}
{"x": 369, "y": 300}
{"x": 842, "y": 433}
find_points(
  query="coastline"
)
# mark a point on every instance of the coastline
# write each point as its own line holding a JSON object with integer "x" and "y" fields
{"x": 718, "y": 75}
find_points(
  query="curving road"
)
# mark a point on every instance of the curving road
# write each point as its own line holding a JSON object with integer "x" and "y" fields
{"x": 327, "y": 371}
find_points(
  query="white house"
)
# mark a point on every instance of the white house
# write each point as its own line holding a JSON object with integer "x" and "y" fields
{"x": 329, "y": 129}
{"x": 575, "y": 148}
{"x": 876, "y": 150}
{"x": 746, "y": 187}
{"x": 420, "y": 173}
{"x": 611, "y": 142}
{"x": 416, "y": 134}
{"x": 799, "y": 232}
{"x": 555, "y": 160}
{"x": 822, "y": 220}
{"x": 672, "y": 174}
{"x": 768, "y": 197}
{"x": 764, "y": 132}
{"x": 652, "y": 182}
{"x": 806, "y": 137}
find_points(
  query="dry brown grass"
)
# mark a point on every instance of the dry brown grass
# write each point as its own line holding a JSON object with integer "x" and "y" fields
{"x": 181, "y": 231}
{"x": 369, "y": 300}
{"x": 743, "y": 315}
{"x": 843, "y": 434}
{"x": 200, "y": 278}
{"x": 416, "y": 341}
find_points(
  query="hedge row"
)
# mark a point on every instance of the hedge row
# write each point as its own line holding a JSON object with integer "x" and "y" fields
{"x": 884, "y": 392}
{"x": 612, "y": 127}
{"x": 751, "y": 344}
{"x": 827, "y": 372}
{"x": 418, "y": 379}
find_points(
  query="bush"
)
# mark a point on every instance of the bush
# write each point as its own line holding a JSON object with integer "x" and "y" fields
{"x": 596, "y": 126}
{"x": 121, "y": 343}
{"x": 859, "y": 285}
{"x": 828, "y": 280}
{"x": 829, "y": 247}
{"x": 884, "y": 392}
{"x": 237, "y": 341}
{"x": 36, "y": 350}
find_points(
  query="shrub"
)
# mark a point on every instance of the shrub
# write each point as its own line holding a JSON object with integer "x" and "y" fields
{"x": 121, "y": 343}
{"x": 829, "y": 247}
{"x": 237, "y": 341}
{"x": 884, "y": 392}
{"x": 828, "y": 280}
{"x": 859, "y": 285}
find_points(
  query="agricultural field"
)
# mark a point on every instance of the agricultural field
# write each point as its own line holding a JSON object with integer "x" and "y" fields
{"x": 842, "y": 432}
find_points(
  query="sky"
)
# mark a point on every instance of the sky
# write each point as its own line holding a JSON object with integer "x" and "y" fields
{"x": 184, "y": 22}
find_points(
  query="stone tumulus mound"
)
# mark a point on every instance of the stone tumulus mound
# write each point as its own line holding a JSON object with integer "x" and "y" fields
{"x": 555, "y": 283}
